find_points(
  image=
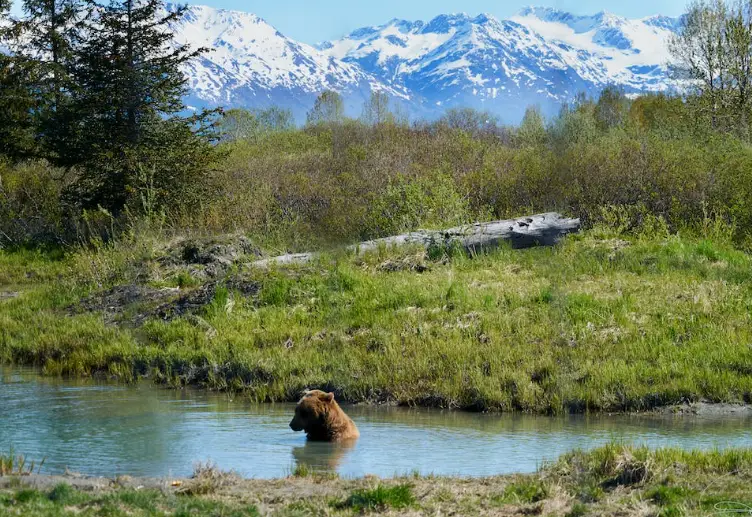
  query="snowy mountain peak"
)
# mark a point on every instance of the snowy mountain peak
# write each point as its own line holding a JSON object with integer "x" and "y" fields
{"x": 540, "y": 56}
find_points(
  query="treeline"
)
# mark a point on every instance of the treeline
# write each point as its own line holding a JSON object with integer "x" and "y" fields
{"x": 100, "y": 143}
{"x": 95, "y": 89}
{"x": 613, "y": 159}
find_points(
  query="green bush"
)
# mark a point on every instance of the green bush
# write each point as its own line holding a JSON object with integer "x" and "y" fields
{"x": 31, "y": 208}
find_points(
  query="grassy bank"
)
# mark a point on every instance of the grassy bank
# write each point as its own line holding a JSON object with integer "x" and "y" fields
{"x": 613, "y": 480}
{"x": 603, "y": 322}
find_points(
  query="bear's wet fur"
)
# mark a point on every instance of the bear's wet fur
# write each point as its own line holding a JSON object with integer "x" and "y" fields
{"x": 319, "y": 415}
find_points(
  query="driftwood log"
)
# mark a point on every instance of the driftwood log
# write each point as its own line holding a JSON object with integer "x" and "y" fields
{"x": 525, "y": 232}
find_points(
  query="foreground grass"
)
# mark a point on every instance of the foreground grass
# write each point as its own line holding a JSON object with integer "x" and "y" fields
{"x": 613, "y": 480}
{"x": 601, "y": 323}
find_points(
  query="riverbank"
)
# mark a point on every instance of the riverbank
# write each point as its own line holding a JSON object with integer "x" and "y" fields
{"x": 604, "y": 322}
{"x": 613, "y": 480}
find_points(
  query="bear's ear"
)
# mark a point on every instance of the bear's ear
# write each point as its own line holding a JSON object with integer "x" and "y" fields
{"x": 327, "y": 397}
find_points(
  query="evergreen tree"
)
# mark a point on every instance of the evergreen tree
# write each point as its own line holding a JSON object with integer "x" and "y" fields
{"x": 129, "y": 100}
{"x": 17, "y": 103}
{"x": 44, "y": 44}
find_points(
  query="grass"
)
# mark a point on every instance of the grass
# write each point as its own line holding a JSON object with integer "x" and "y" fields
{"x": 207, "y": 479}
{"x": 603, "y": 322}
{"x": 676, "y": 482}
{"x": 63, "y": 500}
{"x": 18, "y": 465}
{"x": 527, "y": 491}
{"x": 380, "y": 498}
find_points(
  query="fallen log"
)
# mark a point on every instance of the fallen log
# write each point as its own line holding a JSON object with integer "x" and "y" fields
{"x": 525, "y": 232}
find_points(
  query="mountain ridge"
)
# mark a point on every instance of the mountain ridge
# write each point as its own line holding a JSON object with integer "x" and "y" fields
{"x": 540, "y": 55}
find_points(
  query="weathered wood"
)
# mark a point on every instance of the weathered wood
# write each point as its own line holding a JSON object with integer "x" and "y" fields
{"x": 525, "y": 232}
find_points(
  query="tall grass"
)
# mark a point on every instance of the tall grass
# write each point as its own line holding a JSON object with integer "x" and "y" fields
{"x": 14, "y": 464}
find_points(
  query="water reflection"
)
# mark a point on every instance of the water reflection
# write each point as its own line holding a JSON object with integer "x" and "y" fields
{"x": 108, "y": 429}
{"x": 322, "y": 457}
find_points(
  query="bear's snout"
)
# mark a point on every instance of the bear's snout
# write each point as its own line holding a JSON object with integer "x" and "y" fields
{"x": 295, "y": 426}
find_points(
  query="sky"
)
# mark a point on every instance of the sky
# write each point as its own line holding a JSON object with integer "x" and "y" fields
{"x": 312, "y": 21}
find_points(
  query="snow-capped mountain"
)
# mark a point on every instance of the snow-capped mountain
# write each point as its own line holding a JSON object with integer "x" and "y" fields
{"x": 251, "y": 64}
{"x": 539, "y": 56}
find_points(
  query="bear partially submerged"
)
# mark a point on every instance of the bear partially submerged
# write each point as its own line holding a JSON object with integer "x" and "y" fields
{"x": 319, "y": 415}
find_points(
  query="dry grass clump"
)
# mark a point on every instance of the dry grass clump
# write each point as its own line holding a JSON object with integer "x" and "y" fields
{"x": 208, "y": 479}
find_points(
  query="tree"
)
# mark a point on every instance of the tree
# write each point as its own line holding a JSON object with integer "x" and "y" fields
{"x": 329, "y": 108}
{"x": 469, "y": 120}
{"x": 50, "y": 30}
{"x": 238, "y": 124}
{"x": 532, "y": 131}
{"x": 17, "y": 102}
{"x": 17, "y": 107}
{"x": 612, "y": 108}
{"x": 376, "y": 110}
{"x": 128, "y": 104}
{"x": 738, "y": 36}
{"x": 45, "y": 40}
{"x": 275, "y": 119}
{"x": 713, "y": 56}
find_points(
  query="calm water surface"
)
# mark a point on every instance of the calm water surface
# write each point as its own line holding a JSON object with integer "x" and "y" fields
{"x": 102, "y": 429}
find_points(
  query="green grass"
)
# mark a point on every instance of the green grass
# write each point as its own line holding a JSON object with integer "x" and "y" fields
{"x": 63, "y": 500}
{"x": 527, "y": 491}
{"x": 602, "y": 323}
{"x": 380, "y": 498}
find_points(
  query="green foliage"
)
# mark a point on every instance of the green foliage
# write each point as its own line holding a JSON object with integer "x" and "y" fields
{"x": 128, "y": 82}
{"x": 711, "y": 52}
{"x": 64, "y": 495}
{"x": 381, "y": 498}
{"x": 408, "y": 203}
{"x": 17, "y": 107}
{"x": 31, "y": 207}
{"x": 525, "y": 492}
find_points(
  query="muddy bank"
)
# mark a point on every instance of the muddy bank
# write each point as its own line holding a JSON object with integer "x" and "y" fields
{"x": 706, "y": 409}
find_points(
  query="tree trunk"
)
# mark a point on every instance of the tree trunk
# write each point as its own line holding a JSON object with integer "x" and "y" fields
{"x": 526, "y": 232}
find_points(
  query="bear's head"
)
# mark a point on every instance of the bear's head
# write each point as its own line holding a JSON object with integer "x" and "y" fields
{"x": 312, "y": 412}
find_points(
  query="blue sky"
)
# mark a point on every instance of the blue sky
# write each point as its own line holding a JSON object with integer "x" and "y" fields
{"x": 317, "y": 20}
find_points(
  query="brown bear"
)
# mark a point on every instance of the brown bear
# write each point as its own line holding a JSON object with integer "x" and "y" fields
{"x": 319, "y": 415}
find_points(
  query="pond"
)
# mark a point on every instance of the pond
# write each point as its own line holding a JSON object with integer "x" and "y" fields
{"x": 144, "y": 430}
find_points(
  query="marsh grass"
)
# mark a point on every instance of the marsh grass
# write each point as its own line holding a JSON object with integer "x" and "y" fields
{"x": 524, "y": 492}
{"x": 605, "y": 322}
{"x": 14, "y": 464}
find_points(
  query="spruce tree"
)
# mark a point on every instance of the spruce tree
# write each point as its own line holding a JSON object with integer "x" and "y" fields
{"x": 130, "y": 103}
{"x": 45, "y": 42}
{"x": 17, "y": 127}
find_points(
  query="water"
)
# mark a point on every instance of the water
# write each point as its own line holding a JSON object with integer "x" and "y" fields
{"x": 102, "y": 429}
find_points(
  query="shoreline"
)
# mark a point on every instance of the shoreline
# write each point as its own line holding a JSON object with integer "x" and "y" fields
{"x": 701, "y": 408}
{"x": 611, "y": 480}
